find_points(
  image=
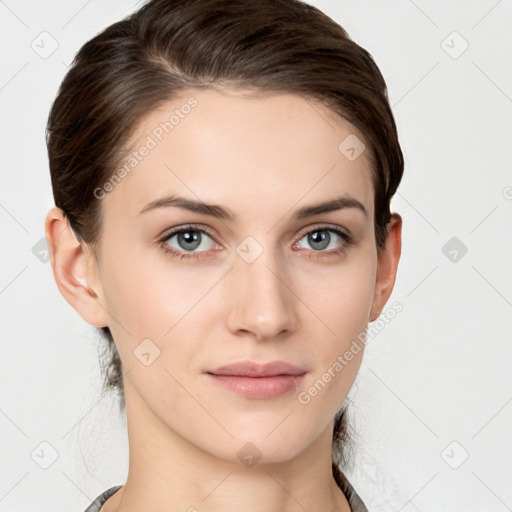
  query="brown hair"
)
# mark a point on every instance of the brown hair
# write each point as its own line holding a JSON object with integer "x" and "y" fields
{"x": 167, "y": 46}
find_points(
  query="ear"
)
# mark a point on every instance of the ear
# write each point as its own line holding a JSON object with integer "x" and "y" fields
{"x": 387, "y": 264}
{"x": 75, "y": 269}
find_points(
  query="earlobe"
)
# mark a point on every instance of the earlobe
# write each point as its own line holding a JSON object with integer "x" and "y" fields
{"x": 387, "y": 266}
{"x": 71, "y": 265}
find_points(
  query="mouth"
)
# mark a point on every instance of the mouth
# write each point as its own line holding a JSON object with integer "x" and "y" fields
{"x": 261, "y": 381}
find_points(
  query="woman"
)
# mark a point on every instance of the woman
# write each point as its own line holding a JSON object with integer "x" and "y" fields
{"x": 222, "y": 173}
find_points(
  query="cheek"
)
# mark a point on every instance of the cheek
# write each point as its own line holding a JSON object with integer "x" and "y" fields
{"x": 150, "y": 298}
{"x": 145, "y": 292}
{"x": 340, "y": 296}
{"x": 341, "y": 300}
{"x": 153, "y": 307}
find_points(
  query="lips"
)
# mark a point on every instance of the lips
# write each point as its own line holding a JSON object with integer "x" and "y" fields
{"x": 256, "y": 380}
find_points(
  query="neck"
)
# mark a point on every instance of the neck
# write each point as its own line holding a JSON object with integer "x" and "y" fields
{"x": 167, "y": 472}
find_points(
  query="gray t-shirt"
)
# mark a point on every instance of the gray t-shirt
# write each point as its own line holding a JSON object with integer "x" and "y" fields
{"x": 355, "y": 502}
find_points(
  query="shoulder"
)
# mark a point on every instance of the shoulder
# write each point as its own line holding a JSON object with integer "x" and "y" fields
{"x": 101, "y": 499}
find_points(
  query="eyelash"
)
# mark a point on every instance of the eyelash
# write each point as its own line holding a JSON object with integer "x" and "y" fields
{"x": 173, "y": 253}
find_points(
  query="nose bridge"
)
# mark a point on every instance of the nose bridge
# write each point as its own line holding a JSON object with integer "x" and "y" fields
{"x": 262, "y": 302}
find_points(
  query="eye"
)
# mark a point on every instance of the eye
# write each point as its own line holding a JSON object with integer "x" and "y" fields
{"x": 187, "y": 239}
{"x": 326, "y": 239}
{"x": 191, "y": 242}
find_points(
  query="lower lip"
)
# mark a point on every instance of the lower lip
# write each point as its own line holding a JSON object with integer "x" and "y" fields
{"x": 259, "y": 387}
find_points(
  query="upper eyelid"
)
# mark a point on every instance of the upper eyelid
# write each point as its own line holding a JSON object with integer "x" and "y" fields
{"x": 326, "y": 227}
{"x": 186, "y": 227}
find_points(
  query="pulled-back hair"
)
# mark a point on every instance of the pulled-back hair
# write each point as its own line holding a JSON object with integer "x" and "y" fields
{"x": 167, "y": 46}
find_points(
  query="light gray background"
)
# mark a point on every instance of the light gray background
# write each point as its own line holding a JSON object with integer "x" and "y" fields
{"x": 435, "y": 385}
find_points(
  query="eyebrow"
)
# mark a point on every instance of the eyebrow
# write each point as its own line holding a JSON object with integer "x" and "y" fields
{"x": 221, "y": 212}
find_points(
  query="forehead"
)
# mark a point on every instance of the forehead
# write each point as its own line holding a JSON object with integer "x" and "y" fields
{"x": 253, "y": 152}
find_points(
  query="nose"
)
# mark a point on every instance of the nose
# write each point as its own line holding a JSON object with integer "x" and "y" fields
{"x": 261, "y": 299}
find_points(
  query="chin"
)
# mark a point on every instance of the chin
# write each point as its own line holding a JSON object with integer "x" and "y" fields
{"x": 259, "y": 447}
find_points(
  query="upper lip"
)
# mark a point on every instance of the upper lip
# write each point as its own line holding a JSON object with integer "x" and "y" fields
{"x": 254, "y": 369}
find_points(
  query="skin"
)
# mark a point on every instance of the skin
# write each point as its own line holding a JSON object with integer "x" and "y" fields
{"x": 263, "y": 157}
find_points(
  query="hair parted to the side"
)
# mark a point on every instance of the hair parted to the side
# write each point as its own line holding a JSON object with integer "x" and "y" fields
{"x": 168, "y": 46}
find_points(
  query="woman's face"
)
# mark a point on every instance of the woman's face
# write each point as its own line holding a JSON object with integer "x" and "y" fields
{"x": 267, "y": 284}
